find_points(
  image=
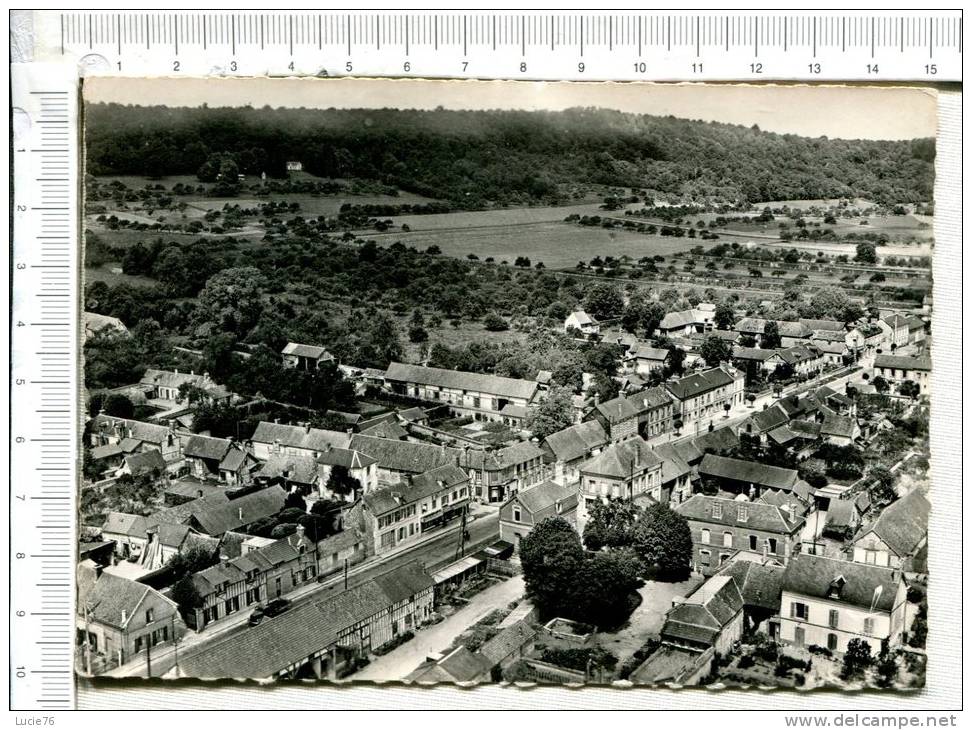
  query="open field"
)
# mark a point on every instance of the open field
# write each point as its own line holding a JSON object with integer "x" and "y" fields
{"x": 558, "y": 245}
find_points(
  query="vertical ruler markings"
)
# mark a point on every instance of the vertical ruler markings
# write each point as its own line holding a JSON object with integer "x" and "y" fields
{"x": 43, "y": 390}
{"x": 629, "y": 46}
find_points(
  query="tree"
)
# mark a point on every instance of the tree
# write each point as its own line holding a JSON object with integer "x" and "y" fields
{"x": 714, "y": 350}
{"x": 341, "y": 482}
{"x": 724, "y": 316}
{"x": 609, "y": 524}
{"x": 866, "y": 253}
{"x": 232, "y": 300}
{"x": 494, "y": 323}
{"x": 909, "y": 389}
{"x": 118, "y": 405}
{"x": 663, "y": 541}
{"x": 880, "y": 384}
{"x": 551, "y": 556}
{"x": 186, "y": 596}
{"x": 604, "y": 301}
{"x": 771, "y": 335}
{"x": 295, "y": 501}
{"x": 881, "y": 489}
{"x": 814, "y": 472}
{"x": 190, "y": 561}
{"x": 857, "y": 658}
{"x": 553, "y": 413}
{"x": 604, "y": 387}
{"x": 602, "y": 586}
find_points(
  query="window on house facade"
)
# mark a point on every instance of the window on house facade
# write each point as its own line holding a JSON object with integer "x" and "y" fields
{"x": 727, "y": 539}
{"x": 149, "y": 616}
{"x": 723, "y": 557}
{"x": 516, "y": 514}
{"x": 799, "y": 610}
{"x": 753, "y": 542}
{"x": 716, "y": 510}
{"x": 705, "y": 536}
{"x": 869, "y": 626}
{"x": 705, "y": 557}
{"x": 832, "y": 642}
{"x": 772, "y": 545}
{"x": 833, "y": 618}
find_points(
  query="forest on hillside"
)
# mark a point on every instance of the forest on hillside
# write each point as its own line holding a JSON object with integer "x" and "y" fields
{"x": 485, "y": 158}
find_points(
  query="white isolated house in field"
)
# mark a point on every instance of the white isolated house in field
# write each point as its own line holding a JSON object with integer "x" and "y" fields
{"x": 582, "y": 322}
{"x": 295, "y": 166}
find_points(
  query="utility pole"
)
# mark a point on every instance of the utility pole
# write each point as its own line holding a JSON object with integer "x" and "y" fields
{"x": 175, "y": 645}
{"x": 461, "y": 549}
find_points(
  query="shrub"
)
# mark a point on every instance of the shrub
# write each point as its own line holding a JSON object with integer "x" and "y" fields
{"x": 746, "y": 661}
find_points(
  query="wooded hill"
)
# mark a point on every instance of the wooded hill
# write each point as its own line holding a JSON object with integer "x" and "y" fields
{"x": 485, "y": 158}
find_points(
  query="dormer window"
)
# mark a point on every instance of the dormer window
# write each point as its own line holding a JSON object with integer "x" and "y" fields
{"x": 717, "y": 510}
{"x": 742, "y": 513}
{"x": 836, "y": 586}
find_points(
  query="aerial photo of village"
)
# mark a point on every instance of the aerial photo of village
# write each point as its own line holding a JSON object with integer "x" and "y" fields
{"x": 459, "y": 395}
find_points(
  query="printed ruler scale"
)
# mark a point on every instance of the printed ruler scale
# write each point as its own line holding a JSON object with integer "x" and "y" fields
{"x": 626, "y": 46}
{"x": 43, "y": 390}
{"x": 707, "y": 46}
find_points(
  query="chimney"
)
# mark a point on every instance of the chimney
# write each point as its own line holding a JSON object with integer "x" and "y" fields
{"x": 177, "y": 371}
{"x": 276, "y": 420}
{"x": 300, "y": 532}
{"x": 349, "y": 431}
{"x": 597, "y": 398}
{"x": 124, "y": 615}
{"x": 241, "y": 513}
{"x": 307, "y": 427}
{"x": 441, "y": 484}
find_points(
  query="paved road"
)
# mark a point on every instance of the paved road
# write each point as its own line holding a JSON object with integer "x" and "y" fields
{"x": 437, "y": 551}
{"x": 397, "y": 664}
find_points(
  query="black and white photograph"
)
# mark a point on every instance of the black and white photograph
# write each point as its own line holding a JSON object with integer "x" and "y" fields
{"x": 512, "y": 382}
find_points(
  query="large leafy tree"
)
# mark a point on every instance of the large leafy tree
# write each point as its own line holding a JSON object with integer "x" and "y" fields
{"x": 554, "y": 413}
{"x": 231, "y": 300}
{"x": 551, "y": 556}
{"x": 663, "y": 541}
{"x": 771, "y": 335}
{"x": 715, "y": 350}
{"x": 602, "y": 586}
{"x": 604, "y": 301}
{"x": 610, "y": 524}
{"x": 725, "y": 316}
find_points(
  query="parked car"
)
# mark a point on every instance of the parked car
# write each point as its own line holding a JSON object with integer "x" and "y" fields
{"x": 276, "y": 607}
{"x": 257, "y": 616}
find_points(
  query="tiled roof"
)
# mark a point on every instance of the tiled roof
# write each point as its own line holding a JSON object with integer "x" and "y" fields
{"x": 759, "y": 583}
{"x": 506, "y": 642}
{"x": 404, "y": 582}
{"x": 474, "y": 382}
{"x": 822, "y": 324}
{"x": 386, "y": 430}
{"x": 577, "y": 441}
{"x": 219, "y": 518}
{"x": 169, "y": 534}
{"x": 867, "y": 586}
{"x": 842, "y": 513}
{"x": 582, "y": 317}
{"x": 206, "y": 447}
{"x": 234, "y": 459}
{"x": 752, "y": 353}
{"x": 149, "y": 432}
{"x": 113, "y": 600}
{"x": 348, "y": 458}
{"x": 798, "y": 354}
{"x": 903, "y": 524}
{"x": 704, "y": 613}
{"x": 171, "y": 379}
{"x": 445, "y": 476}
{"x": 413, "y": 414}
{"x": 623, "y": 408}
{"x": 674, "y": 320}
{"x": 296, "y": 468}
{"x": 748, "y": 471}
{"x": 768, "y": 419}
{"x": 458, "y": 666}
{"x": 718, "y": 439}
{"x": 646, "y": 352}
{"x": 699, "y": 383}
{"x": 182, "y": 512}
{"x": 106, "y": 451}
{"x": 545, "y": 495}
{"x": 404, "y": 456}
{"x": 752, "y": 515}
{"x": 120, "y": 523}
{"x": 309, "y": 351}
{"x": 902, "y": 362}
{"x": 313, "y": 439}
{"x": 673, "y": 465}
{"x": 623, "y": 459}
{"x": 263, "y": 651}
{"x": 504, "y": 458}
{"x": 143, "y": 462}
